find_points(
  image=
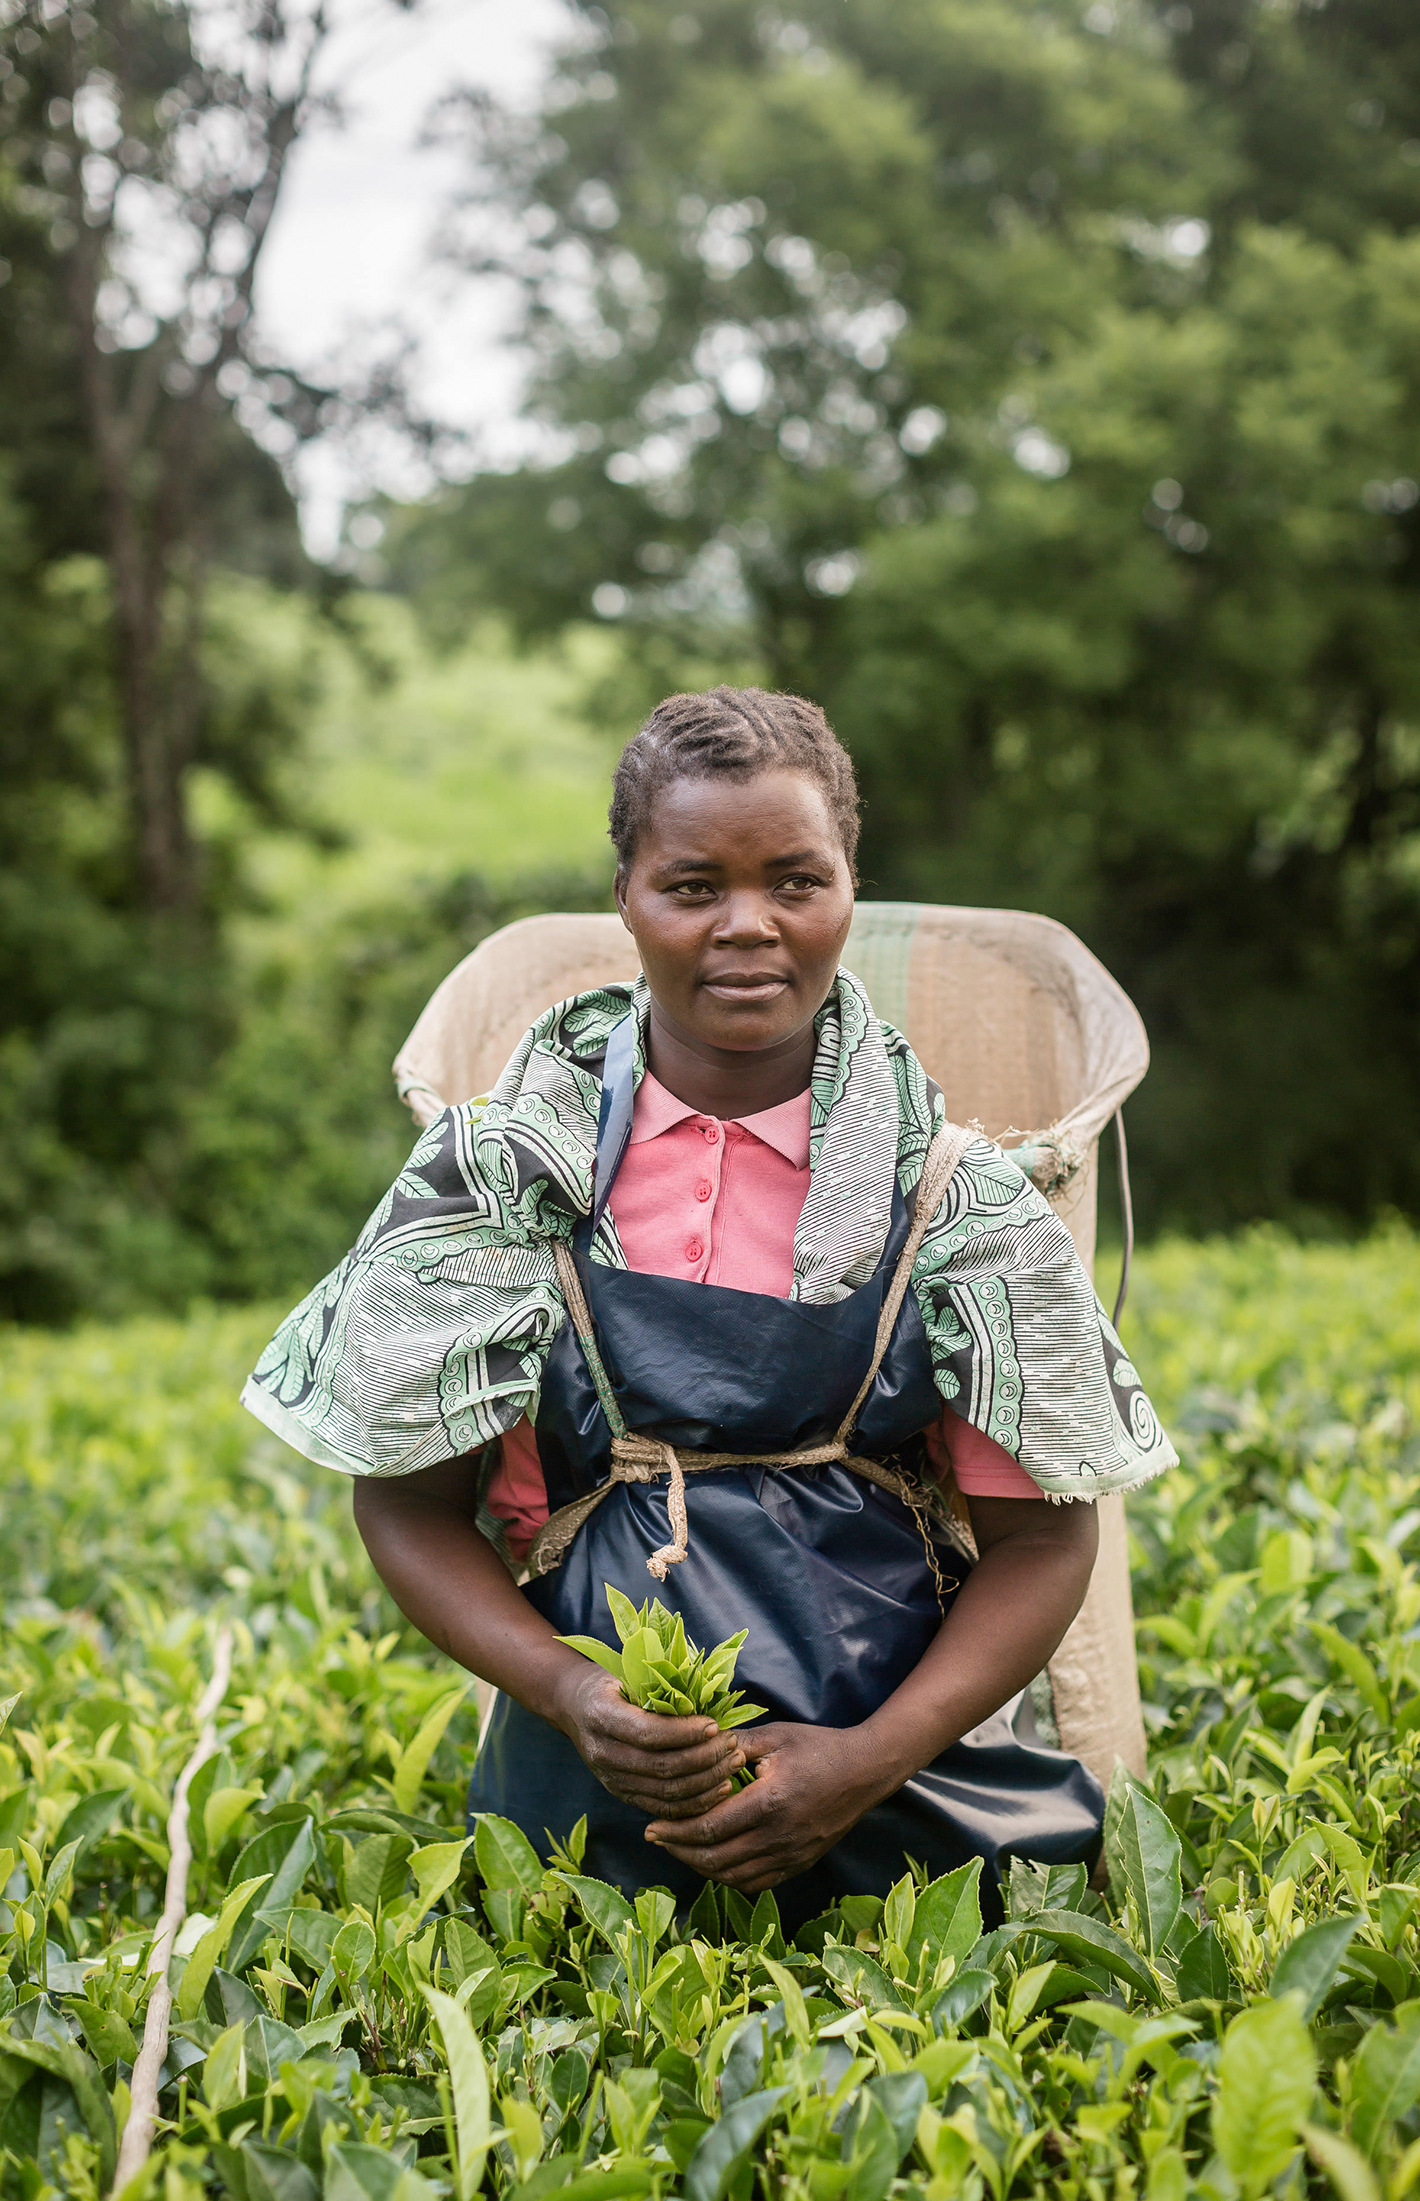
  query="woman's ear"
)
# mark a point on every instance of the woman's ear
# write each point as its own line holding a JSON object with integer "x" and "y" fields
{"x": 618, "y": 888}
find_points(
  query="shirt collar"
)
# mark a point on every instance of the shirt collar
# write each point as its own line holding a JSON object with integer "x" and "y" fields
{"x": 785, "y": 1128}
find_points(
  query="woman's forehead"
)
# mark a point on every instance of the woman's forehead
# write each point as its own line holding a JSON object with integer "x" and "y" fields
{"x": 763, "y": 807}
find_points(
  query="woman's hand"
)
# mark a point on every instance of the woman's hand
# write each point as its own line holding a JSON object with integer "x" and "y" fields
{"x": 811, "y": 1785}
{"x": 671, "y": 1768}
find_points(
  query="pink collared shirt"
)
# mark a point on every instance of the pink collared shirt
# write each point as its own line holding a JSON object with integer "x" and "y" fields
{"x": 718, "y": 1202}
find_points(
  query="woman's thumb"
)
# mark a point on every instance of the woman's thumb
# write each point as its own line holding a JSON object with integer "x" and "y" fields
{"x": 761, "y": 1742}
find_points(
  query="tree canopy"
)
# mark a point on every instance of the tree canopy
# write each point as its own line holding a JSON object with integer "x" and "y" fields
{"x": 1036, "y": 383}
{"x": 1036, "y": 386}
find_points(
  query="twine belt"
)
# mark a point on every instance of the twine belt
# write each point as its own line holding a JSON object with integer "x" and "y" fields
{"x": 640, "y": 1459}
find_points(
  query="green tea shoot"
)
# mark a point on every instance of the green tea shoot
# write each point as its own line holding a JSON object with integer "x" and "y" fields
{"x": 661, "y": 1672}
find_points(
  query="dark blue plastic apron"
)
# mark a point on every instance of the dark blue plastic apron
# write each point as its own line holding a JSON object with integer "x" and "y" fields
{"x": 828, "y": 1572}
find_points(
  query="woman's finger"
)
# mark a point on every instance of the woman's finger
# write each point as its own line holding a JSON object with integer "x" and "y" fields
{"x": 657, "y": 1732}
{"x": 655, "y": 1806}
{"x": 741, "y": 1854}
{"x": 662, "y": 1764}
{"x": 764, "y": 1740}
{"x": 737, "y": 1815}
{"x": 682, "y": 1788}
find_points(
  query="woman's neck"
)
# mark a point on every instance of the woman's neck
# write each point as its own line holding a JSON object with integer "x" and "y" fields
{"x": 724, "y": 1081}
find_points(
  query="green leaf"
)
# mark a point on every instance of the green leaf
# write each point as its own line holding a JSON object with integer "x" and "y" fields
{"x": 504, "y": 1855}
{"x": 947, "y": 1915}
{"x": 796, "y": 2015}
{"x": 82, "y": 2078}
{"x": 367, "y": 1820}
{"x": 1090, "y": 1941}
{"x": 107, "y": 2036}
{"x": 1266, "y": 2075}
{"x": 1385, "y": 2082}
{"x": 1344, "y": 2165}
{"x": 1309, "y": 1965}
{"x": 224, "y": 2074}
{"x": 269, "y": 2044}
{"x": 1216, "y": 1603}
{"x": 725, "y": 2148}
{"x": 1122, "y": 1784}
{"x": 271, "y": 2174}
{"x": 285, "y": 1854}
{"x": 352, "y": 1952}
{"x": 310, "y": 1935}
{"x": 56, "y": 1880}
{"x": 414, "y": 1759}
{"x": 91, "y": 1818}
{"x": 638, "y": 1677}
{"x": 1152, "y": 1858}
{"x": 212, "y": 1945}
{"x": 222, "y": 1811}
{"x": 601, "y": 2185}
{"x": 1203, "y": 1974}
{"x": 738, "y": 1715}
{"x": 1026, "y": 1991}
{"x": 470, "y": 1957}
{"x": 468, "y": 2081}
{"x": 590, "y": 1648}
{"x": 901, "y": 2095}
{"x": 327, "y": 2032}
{"x": 435, "y": 1869}
{"x": 625, "y": 1618}
{"x": 356, "y": 2171}
{"x": 1354, "y": 1665}
{"x": 1036, "y": 1888}
{"x": 374, "y": 1871}
{"x": 899, "y": 1912}
{"x": 960, "y": 1997}
{"x": 602, "y": 1906}
{"x": 870, "y": 2148}
{"x": 505, "y": 1909}
{"x": 655, "y": 1913}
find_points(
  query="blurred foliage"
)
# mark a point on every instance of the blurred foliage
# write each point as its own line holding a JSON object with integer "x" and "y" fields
{"x": 1236, "y": 2015}
{"x": 1037, "y": 388}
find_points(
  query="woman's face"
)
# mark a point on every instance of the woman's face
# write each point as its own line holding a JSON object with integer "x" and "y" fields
{"x": 739, "y": 899}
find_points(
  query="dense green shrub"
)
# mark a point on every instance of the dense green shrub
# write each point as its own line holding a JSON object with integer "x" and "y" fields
{"x": 370, "y": 2005}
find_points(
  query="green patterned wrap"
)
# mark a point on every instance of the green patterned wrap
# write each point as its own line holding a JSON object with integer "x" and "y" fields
{"x": 429, "y": 1338}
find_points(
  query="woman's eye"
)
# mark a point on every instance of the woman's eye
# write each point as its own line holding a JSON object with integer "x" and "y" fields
{"x": 800, "y": 883}
{"x": 692, "y": 890}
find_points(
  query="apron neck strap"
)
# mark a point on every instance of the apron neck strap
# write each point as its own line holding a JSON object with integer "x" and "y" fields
{"x": 614, "y": 1116}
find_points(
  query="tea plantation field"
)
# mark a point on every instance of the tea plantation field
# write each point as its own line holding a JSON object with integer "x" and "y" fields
{"x": 370, "y": 2008}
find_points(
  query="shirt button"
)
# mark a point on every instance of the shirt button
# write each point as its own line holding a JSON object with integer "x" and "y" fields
{"x": 694, "y": 1251}
{"x": 704, "y": 1189}
{"x": 710, "y": 1132}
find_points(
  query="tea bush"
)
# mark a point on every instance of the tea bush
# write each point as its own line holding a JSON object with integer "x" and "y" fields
{"x": 371, "y": 2007}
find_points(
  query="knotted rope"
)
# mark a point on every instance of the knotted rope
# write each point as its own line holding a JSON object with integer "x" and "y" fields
{"x": 641, "y": 1459}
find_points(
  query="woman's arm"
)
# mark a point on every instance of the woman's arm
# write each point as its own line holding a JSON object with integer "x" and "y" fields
{"x": 422, "y": 1536}
{"x": 814, "y": 1783}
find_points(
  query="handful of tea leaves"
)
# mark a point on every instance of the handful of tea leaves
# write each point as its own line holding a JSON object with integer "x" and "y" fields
{"x": 661, "y": 1672}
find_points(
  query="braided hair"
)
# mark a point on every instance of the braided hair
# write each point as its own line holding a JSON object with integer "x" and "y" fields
{"x": 731, "y": 733}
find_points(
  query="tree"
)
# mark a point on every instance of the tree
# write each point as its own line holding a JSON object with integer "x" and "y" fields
{"x": 146, "y": 133}
{"x": 125, "y": 480}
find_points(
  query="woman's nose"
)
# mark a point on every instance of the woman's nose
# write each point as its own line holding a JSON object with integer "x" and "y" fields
{"x": 745, "y": 920}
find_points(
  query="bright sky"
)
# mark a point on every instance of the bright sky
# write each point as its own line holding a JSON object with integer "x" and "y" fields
{"x": 349, "y": 251}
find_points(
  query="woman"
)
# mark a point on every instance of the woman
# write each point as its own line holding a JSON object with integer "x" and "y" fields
{"x": 713, "y": 1225}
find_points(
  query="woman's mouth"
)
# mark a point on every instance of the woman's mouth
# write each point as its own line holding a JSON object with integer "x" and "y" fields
{"x": 751, "y": 986}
